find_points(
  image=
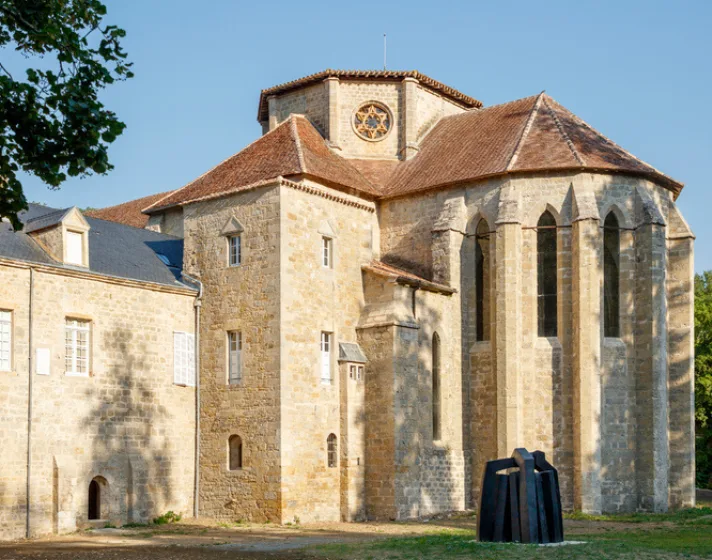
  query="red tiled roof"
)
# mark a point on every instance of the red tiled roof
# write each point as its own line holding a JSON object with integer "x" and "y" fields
{"x": 426, "y": 81}
{"x": 377, "y": 171}
{"x": 128, "y": 213}
{"x": 527, "y": 135}
{"x": 404, "y": 277}
{"x": 294, "y": 148}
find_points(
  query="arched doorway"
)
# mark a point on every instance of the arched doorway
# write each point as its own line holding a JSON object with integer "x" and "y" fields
{"x": 94, "y": 500}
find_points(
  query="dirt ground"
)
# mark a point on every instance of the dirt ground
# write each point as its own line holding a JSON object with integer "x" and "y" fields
{"x": 204, "y": 540}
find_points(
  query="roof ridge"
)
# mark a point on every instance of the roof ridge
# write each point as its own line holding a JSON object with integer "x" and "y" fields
{"x": 176, "y": 191}
{"x": 128, "y": 202}
{"x": 498, "y": 105}
{"x": 611, "y": 142}
{"x": 525, "y": 131}
{"x": 298, "y": 143}
{"x": 565, "y": 136}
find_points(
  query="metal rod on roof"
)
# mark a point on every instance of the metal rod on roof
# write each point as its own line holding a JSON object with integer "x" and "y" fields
{"x": 384, "y": 51}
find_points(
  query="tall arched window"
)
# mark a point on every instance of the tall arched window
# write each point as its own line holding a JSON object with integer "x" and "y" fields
{"x": 332, "y": 458}
{"x": 436, "y": 388}
{"x": 611, "y": 276}
{"x": 482, "y": 279}
{"x": 94, "y": 500}
{"x": 235, "y": 452}
{"x": 546, "y": 274}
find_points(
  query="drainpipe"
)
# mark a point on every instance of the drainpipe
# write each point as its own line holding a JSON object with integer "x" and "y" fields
{"x": 197, "y": 306}
{"x": 29, "y": 404}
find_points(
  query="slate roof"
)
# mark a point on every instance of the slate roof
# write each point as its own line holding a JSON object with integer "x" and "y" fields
{"x": 395, "y": 75}
{"x": 128, "y": 213}
{"x": 351, "y": 352}
{"x": 115, "y": 249}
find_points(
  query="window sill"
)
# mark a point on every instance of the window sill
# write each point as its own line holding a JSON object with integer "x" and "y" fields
{"x": 552, "y": 342}
{"x": 76, "y": 374}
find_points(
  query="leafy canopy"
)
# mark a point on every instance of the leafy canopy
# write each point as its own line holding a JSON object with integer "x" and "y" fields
{"x": 703, "y": 377}
{"x": 52, "y": 123}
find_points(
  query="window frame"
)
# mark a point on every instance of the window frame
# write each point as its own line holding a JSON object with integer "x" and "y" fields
{"x": 234, "y": 378}
{"x": 327, "y": 252}
{"x": 611, "y": 277}
{"x": 332, "y": 451}
{"x": 240, "y": 453}
{"x": 326, "y": 346}
{"x": 546, "y": 328}
{"x": 10, "y": 339}
{"x": 71, "y": 360}
{"x": 237, "y": 253}
{"x": 187, "y": 377}
{"x": 79, "y": 235}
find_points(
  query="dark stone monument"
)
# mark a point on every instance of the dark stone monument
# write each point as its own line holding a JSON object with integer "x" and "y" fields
{"x": 523, "y": 505}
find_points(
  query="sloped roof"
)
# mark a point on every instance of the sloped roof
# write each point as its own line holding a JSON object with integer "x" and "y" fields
{"x": 447, "y": 91}
{"x": 128, "y": 213}
{"x": 402, "y": 276}
{"x": 531, "y": 134}
{"x": 294, "y": 147}
{"x": 115, "y": 250}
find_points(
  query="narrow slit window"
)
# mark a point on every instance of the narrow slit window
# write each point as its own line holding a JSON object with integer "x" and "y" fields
{"x": 235, "y": 250}
{"x": 234, "y": 341}
{"x": 235, "y": 453}
{"x": 77, "y": 348}
{"x": 327, "y": 252}
{"x": 546, "y": 276}
{"x": 5, "y": 340}
{"x": 326, "y": 358}
{"x": 482, "y": 279}
{"x": 436, "y": 388}
{"x": 611, "y": 276}
{"x": 332, "y": 458}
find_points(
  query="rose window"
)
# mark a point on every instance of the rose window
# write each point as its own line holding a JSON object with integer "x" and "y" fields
{"x": 372, "y": 121}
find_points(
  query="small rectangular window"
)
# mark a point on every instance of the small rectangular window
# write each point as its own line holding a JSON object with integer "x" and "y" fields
{"x": 359, "y": 373}
{"x": 75, "y": 249}
{"x": 234, "y": 341}
{"x": 326, "y": 358}
{"x": 352, "y": 371}
{"x": 184, "y": 359}
{"x": 235, "y": 250}
{"x": 326, "y": 252}
{"x": 5, "y": 340}
{"x": 77, "y": 346}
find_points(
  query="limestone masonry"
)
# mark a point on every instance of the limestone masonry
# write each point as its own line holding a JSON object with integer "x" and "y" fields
{"x": 349, "y": 317}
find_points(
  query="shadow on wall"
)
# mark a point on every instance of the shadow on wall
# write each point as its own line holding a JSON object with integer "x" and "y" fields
{"x": 132, "y": 437}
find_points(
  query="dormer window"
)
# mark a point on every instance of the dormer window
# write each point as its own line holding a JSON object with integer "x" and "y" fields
{"x": 75, "y": 248}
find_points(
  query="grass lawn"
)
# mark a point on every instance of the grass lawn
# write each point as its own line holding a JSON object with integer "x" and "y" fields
{"x": 685, "y": 534}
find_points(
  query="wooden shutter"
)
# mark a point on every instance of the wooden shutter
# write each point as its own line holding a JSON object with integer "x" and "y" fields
{"x": 74, "y": 248}
{"x": 190, "y": 360}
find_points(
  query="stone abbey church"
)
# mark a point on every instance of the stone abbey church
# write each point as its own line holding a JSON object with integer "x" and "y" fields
{"x": 345, "y": 320}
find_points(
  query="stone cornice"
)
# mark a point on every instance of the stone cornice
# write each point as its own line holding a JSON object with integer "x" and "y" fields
{"x": 81, "y": 275}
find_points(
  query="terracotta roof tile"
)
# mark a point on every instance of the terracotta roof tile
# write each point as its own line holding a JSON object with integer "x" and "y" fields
{"x": 128, "y": 213}
{"x": 294, "y": 148}
{"x": 426, "y": 81}
{"x": 377, "y": 171}
{"x": 404, "y": 277}
{"x": 530, "y": 134}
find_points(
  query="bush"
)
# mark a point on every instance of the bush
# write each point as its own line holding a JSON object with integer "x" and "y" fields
{"x": 167, "y": 518}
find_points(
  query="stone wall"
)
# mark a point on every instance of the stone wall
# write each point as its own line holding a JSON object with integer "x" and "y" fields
{"x": 245, "y": 298}
{"x": 125, "y": 422}
{"x": 316, "y": 299}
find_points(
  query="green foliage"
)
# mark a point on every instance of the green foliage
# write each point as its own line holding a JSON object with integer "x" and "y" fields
{"x": 166, "y": 518}
{"x": 703, "y": 378}
{"x": 52, "y": 123}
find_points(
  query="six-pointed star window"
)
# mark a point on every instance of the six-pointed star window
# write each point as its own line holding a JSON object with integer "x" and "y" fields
{"x": 372, "y": 121}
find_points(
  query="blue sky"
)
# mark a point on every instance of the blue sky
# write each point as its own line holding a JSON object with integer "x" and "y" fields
{"x": 640, "y": 72}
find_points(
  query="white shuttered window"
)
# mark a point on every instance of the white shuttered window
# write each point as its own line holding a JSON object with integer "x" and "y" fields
{"x": 326, "y": 358}
{"x": 5, "y": 340}
{"x": 234, "y": 351}
{"x": 74, "y": 248}
{"x": 184, "y": 359}
{"x": 77, "y": 345}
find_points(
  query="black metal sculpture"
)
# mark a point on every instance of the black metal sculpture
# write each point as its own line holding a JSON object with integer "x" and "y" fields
{"x": 523, "y": 505}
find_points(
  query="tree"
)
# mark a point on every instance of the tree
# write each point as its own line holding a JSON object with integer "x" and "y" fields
{"x": 52, "y": 123}
{"x": 703, "y": 377}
